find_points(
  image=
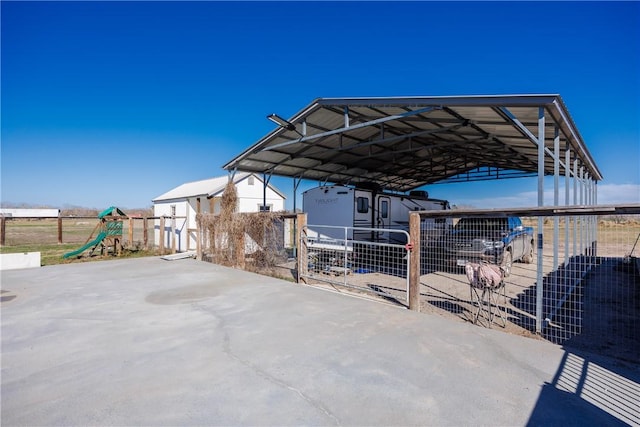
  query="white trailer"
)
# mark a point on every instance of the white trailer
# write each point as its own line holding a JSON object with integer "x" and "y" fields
{"x": 341, "y": 206}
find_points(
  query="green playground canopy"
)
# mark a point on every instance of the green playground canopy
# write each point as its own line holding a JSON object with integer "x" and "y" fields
{"x": 111, "y": 211}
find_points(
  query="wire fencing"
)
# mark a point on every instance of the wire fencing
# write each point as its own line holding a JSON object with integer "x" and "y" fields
{"x": 371, "y": 260}
{"x": 572, "y": 279}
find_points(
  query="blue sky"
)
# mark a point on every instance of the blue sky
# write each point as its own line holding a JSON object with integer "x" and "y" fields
{"x": 115, "y": 103}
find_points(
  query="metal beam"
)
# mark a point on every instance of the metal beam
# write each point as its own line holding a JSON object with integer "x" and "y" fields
{"x": 350, "y": 128}
{"x": 510, "y": 117}
{"x": 577, "y": 210}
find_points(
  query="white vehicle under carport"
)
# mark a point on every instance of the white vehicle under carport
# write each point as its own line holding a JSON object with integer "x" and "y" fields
{"x": 365, "y": 227}
{"x": 350, "y": 209}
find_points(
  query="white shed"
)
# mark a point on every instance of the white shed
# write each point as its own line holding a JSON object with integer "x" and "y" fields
{"x": 191, "y": 198}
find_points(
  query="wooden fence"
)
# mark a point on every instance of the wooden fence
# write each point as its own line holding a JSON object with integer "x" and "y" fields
{"x": 75, "y": 229}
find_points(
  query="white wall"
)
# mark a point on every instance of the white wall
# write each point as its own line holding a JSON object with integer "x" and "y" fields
{"x": 163, "y": 208}
{"x": 21, "y": 260}
{"x": 250, "y": 199}
{"x": 29, "y": 213}
{"x": 251, "y": 196}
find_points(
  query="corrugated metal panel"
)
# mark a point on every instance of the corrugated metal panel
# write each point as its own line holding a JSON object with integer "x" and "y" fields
{"x": 406, "y": 142}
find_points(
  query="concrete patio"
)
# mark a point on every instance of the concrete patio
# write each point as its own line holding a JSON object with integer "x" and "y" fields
{"x": 153, "y": 342}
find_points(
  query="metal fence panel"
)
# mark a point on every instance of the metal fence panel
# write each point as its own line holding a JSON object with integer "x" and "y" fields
{"x": 573, "y": 280}
{"x": 377, "y": 266}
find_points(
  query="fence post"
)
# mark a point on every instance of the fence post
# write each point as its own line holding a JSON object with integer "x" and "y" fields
{"x": 173, "y": 234}
{"x": 173, "y": 229}
{"x": 59, "y": 229}
{"x": 130, "y": 232}
{"x": 301, "y": 220}
{"x": 199, "y": 236}
{"x": 414, "y": 254}
{"x": 145, "y": 232}
{"x": 161, "y": 235}
{"x": 3, "y": 229}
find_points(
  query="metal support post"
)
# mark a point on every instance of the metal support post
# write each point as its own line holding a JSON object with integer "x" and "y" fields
{"x": 265, "y": 184}
{"x": 595, "y": 225}
{"x": 539, "y": 282}
{"x": 575, "y": 202}
{"x": 556, "y": 195}
{"x": 567, "y": 175}
{"x": 296, "y": 183}
{"x": 582, "y": 239}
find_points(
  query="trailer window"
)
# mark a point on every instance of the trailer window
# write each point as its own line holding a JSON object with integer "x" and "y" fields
{"x": 384, "y": 209}
{"x": 363, "y": 204}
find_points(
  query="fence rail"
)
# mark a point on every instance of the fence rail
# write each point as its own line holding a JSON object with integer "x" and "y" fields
{"x": 137, "y": 231}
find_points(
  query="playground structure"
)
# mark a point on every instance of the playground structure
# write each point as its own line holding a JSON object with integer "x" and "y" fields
{"x": 109, "y": 229}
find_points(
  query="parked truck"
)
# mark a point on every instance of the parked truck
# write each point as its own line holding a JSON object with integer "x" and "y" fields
{"x": 497, "y": 240}
{"x": 342, "y": 206}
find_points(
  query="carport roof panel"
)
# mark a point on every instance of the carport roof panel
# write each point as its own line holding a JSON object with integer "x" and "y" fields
{"x": 403, "y": 143}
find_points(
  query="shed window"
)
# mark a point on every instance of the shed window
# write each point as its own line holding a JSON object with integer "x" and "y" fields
{"x": 362, "y": 204}
{"x": 251, "y": 180}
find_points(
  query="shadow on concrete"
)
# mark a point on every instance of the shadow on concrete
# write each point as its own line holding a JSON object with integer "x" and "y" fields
{"x": 592, "y": 308}
{"x": 7, "y": 298}
{"x": 589, "y": 390}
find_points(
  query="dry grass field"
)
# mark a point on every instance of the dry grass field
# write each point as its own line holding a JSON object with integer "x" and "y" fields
{"x": 41, "y": 235}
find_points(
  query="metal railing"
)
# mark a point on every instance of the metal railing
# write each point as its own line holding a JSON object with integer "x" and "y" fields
{"x": 332, "y": 256}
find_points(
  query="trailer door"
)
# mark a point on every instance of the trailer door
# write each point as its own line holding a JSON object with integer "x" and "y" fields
{"x": 383, "y": 216}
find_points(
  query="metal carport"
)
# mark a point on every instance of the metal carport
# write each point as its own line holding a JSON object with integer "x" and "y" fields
{"x": 402, "y": 143}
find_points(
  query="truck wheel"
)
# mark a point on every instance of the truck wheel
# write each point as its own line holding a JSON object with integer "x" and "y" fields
{"x": 528, "y": 257}
{"x": 506, "y": 263}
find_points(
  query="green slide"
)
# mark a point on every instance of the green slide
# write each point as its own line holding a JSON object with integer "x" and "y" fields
{"x": 92, "y": 243}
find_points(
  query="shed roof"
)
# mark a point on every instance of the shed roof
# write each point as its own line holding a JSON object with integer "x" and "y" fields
{"x": 206, "y": 188}
{"x": 402, "y": 143}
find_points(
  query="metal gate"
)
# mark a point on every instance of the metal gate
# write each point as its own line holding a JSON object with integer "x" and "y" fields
{"x": 376, "y": 261}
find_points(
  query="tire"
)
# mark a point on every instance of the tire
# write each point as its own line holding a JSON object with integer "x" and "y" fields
{"x": 528, "y": 257}
{"x": 507, "y": 262}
